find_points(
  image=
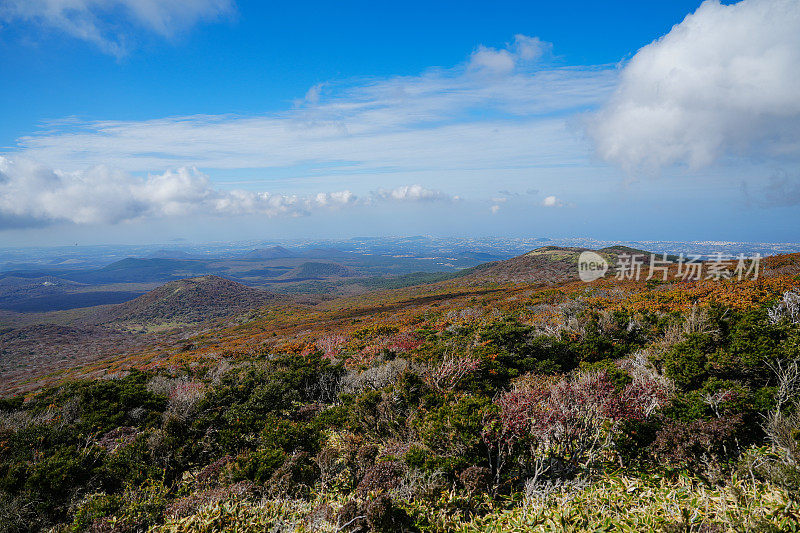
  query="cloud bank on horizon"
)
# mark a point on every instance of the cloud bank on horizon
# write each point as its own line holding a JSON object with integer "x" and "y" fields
{"x": 32, "y": 194}
{"x": 721, "y": 84}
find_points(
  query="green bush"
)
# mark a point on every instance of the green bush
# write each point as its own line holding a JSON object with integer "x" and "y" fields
{"x": 453, "y": 433}
{"x": 686, "y": 362}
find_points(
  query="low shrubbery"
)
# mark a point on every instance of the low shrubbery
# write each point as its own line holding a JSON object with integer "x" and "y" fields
{"x": 485, "y": 425}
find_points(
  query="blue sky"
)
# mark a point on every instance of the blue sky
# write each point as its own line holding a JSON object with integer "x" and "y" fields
{"x": 129, "y": 121}
{"x": 266, "y": 54}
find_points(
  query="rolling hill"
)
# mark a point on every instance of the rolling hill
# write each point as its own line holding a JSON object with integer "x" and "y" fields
{"x": 188, "y": 301}
{"x": 315, "y": 270}
{"x": 547, "y": 264}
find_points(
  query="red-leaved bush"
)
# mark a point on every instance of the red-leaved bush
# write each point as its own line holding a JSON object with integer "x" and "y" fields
{"x": 397, "y": 344}
{"x": 690, "y": 444}
{"x": 330, "y": 345}
{"x": 559, "y": 425}
{"x": 645, "y": 396}
{"x": 381, "y": 477}
{"x": 402, "y": 342}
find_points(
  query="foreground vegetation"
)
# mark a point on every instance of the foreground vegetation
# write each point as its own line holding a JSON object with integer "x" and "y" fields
{"x": 663, "y": 408}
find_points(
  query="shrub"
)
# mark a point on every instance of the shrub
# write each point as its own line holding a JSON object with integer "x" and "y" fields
{"x": 418, "y": 485}
{"x": 210, "y": 474}
{"x": 258, "y": 465}
{"x": 294, "y": 477}
{"x": 752, "y": 342}
{"x": 691, "y": 444}
{"x": 95, "y": 507}
{"x": 787, "y": 308}
{"x": 379, "y": 514}
{"x": 183, "y": 401}
{"x": 521, "y": 350}
{"x": 106, "y": 404}
{"x": 350, "y": 518}
{"x": 453, "y": 431}
{"x": 383, "y": 517}
{"x": 450, "y": 372}
{"x": 373, "y": 378}
{"x": 363, "y": 416}
{"x": 381, "y": 477}
{"x": 557, "y": 426}
{"x": 249, "y": 398}
{"x": 476, "y": 479}
{"x": 782, "y": 426}
{"x": 366, "y": 455}
{"x": 685, "y": 363}
{"x": 139, "y": 508}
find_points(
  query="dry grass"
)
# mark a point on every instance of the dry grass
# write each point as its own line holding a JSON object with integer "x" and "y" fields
{"x": 620, "y": 503}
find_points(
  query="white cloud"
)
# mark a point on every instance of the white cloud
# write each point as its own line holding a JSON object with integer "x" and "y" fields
{"x": 335, "y": 198}
{"x": 530, "y": 48}
{"x": 412, "y": 193}
{"x": 724, "y": 82}
{"x": 495, "y": 209}
{"x": 32, "y": 194}
{"x": 500, "y": 61}
{"x": 552, "y": 201}
{"x": 313, "y": 95}
{"x": 111, "y": 24}
{"x": 442, "y": 127}
{"x": 441, "y": 120}
{"x": 523, "y": 50}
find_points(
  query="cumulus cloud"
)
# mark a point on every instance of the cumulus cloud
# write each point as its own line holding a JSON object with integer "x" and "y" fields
{"x": 552, "y": 201}
{"x": 413, "y": 193}
{"x": 523, "y": 49}
{"x": 110, "y": 24}
{"x": 724, "y": 82}
{"x": 32, "y": 194}
{"x": 493, "y": 60}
